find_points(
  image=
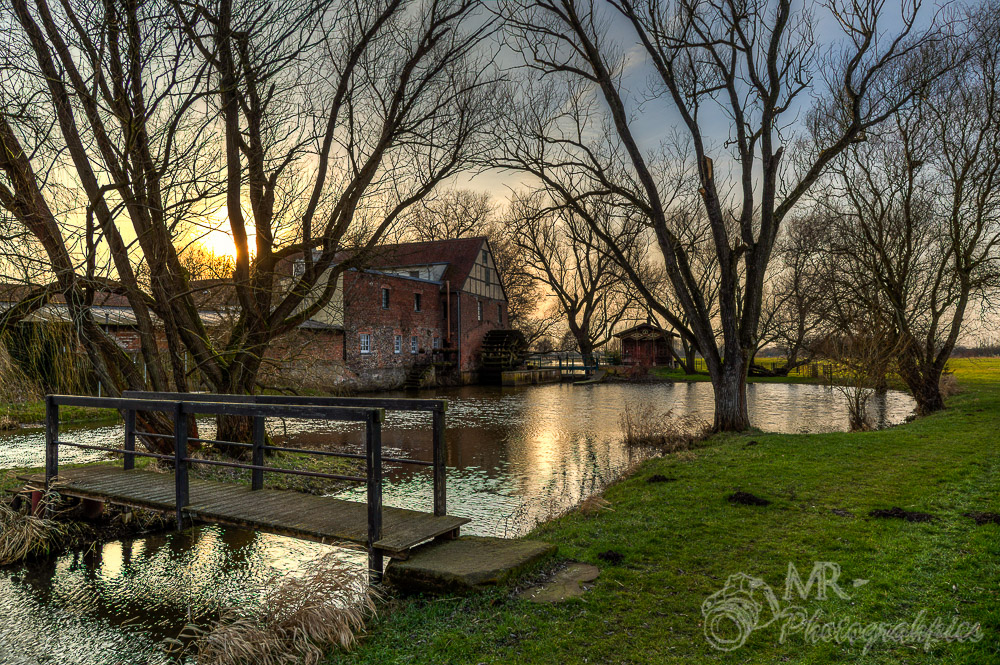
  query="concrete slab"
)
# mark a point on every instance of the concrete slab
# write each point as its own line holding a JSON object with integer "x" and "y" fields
{"x": 569, "y": 582}
{"x": 465, "y": 564}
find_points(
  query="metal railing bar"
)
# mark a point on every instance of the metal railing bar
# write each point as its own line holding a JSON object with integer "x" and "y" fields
{"x": 290, "y": 472}
{"x": 391, "y": 403}
{"x": 161, "y": 436}
{"x": 193, "y": 407}
{"x": 120, "y": 451}
{"x": 222, "y": 443}
{"x": 304, "y": 412}
{"x": 329, "y": 453}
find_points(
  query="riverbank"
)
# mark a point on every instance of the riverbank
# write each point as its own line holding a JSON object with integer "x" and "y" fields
{"x": 680, "y": 540}
{"x": 27, "y": 414}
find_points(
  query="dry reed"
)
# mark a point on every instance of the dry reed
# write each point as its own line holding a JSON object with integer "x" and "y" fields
{"x": 646, "y": 425}
{"x": 23, "y": 535}
{"x": 297, "y": 621}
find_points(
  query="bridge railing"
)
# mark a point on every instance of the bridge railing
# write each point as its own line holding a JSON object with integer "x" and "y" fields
{"x": 182, "y": 406}
{"x": 436, "y": 407}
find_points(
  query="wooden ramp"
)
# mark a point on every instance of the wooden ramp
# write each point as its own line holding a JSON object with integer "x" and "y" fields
{"x": 288, "y": 513}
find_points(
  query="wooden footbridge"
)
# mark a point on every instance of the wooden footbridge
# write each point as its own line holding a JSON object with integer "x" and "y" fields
{"x": 384, "y": 531}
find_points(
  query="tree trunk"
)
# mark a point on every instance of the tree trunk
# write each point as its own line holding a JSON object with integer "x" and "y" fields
{"x": 926, "y": 391}
{"x": 730, "y": 385}
{"x": 689, "y": 358}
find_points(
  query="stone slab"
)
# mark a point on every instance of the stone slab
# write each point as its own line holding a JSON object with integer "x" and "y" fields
{"x": 465, "y": 564}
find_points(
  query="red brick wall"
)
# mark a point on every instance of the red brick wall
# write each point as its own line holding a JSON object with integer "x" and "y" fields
{"x": 305, "y": 358}
{"x": 363, "y": 313}
{"x": 473, "y": 330}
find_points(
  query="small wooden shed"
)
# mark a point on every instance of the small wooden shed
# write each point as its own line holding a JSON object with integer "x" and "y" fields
{"x": 647, "y": 344}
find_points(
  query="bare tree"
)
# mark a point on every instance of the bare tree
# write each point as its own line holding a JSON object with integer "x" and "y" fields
{"x": 316, "y": 125}
{"x": 792, "y": 312}
{"x": 863, "y": 350}
{"x": 747, "y": 64}
{"x": 916, "y": 214}
{"x": 563, "y": 253}
{"x": 451, "y": 213}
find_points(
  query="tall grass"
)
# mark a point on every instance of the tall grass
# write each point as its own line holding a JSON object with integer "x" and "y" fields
{"x": 23, "y": 535}
{"x": 646, "y": 425}
{"x": 297, "y": 621}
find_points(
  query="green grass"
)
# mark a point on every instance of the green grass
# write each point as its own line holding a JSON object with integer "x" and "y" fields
{"x": 681, "y": 540}
{"x": 679, "y": 375}
{"x": 33, "y": 413}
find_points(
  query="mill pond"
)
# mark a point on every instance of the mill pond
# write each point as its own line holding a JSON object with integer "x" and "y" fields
{"x": 515, "y": 457}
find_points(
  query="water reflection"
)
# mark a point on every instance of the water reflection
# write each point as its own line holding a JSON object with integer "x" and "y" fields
{"x": 117, "y": 602}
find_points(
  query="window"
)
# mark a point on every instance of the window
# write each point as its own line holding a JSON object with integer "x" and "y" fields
{"x": 479, "y": 310}
{"x": 414, "y": 344}
{"x": 500, "y": 313}
{"x": 485, "y": 257}
{"x": 416, "y": 302}
{"x": 415, "y": 273}
{"x": 366, "y": 343}
{"x": 397, "y": 344}
{"x": 436, "y": 343}
{"x": 487, "y": 277}
{"x": 385, "y": 298}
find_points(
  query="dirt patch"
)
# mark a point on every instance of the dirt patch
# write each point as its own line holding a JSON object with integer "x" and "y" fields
{"x": 612, "y": 557}
{"x": 842, "y": 513}
{"x": 900, "y": 514}
{"x": 660, "y": 478}
{"x": 741, "y": 498}
{"x": 981, "y": 518}
{"x": 568, "y": 582}
{"x": 750, "y": 443}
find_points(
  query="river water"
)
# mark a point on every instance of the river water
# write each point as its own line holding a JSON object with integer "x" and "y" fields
{"x": 516, "y": 456}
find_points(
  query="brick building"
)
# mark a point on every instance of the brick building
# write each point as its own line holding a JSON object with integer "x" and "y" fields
{"x": 416, "y": 304}
{"x": 422, "y": 302}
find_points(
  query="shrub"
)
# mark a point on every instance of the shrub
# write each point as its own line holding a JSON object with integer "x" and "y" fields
{"x": 948, "y": 385}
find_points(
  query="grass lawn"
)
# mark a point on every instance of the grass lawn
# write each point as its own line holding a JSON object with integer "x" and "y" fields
{"x": 681, "y": 540}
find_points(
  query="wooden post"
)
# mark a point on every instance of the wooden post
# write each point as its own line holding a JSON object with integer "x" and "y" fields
{"x": 129, "y": 463}
{"x": 257, "y": 458}
{"x": 440, "y": 460}
{"x": 51, "y": 440}
{"x": 373, "y": 435}
{"x": 180, "y": 465}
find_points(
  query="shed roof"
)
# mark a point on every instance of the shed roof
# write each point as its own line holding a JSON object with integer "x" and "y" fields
{"x": 644, "y": 331}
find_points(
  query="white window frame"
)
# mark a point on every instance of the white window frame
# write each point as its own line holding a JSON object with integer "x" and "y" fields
{"x": 397, "y": 344}
{"x": 414, "y": 344}
{"x": 366, "y": 343}
{"x": 436, "y": 343}
{"x": 479, "y": 309}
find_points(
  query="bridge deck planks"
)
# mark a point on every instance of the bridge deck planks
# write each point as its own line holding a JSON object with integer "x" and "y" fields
{"x": 319, "y": 518}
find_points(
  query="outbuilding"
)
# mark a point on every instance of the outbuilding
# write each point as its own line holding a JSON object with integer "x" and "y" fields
{"x": 647, "y": 344}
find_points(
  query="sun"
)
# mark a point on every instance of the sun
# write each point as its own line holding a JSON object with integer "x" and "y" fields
{"x": 219, "y": 242}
